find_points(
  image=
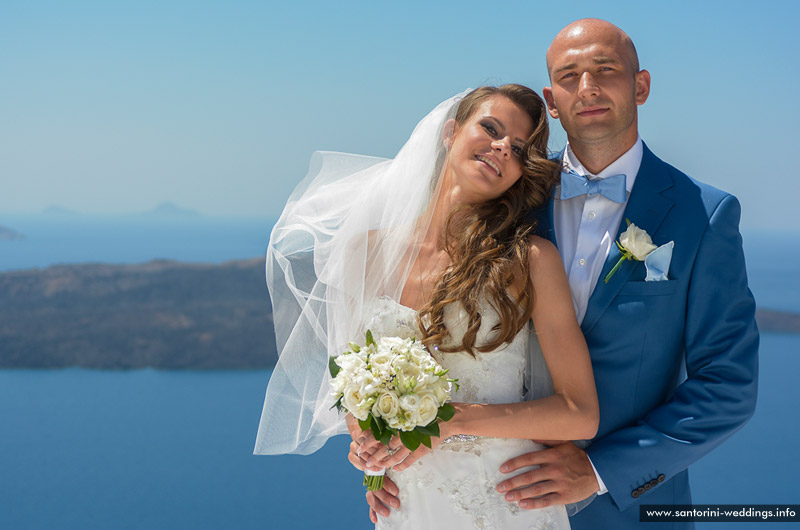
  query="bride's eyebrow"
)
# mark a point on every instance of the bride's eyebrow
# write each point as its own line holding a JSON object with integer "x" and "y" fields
{"x": 502, "y": 126}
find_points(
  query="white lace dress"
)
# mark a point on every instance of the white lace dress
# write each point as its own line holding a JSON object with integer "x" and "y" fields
{"x": 453, "y": 487}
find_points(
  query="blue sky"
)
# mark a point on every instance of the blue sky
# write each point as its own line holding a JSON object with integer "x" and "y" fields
{"x": 217, "y": 106}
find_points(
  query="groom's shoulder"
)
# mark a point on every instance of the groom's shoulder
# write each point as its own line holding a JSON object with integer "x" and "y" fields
{"x": 687, "y": 189}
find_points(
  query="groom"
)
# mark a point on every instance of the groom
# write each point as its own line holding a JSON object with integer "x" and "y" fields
{"x": 675, "y": 360}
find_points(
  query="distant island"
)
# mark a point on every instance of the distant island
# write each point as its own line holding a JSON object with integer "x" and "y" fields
{"x": 7, "y": 234}
{"x": 161, "y": 314}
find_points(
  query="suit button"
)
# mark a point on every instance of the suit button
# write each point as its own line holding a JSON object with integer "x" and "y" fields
{"x": 635, "y": 493}
{"x": 661, "y": 477}
{"x": 641, "y": 490}
{"x": 647, "y": 486}
{"x": 654, "y": 482}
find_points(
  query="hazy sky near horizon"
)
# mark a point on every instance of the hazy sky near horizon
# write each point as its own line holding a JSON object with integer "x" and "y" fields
{"x": 217, "y": 105}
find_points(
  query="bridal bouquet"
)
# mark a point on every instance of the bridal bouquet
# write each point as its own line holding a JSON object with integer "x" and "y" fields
{"x": 395, "y": 388}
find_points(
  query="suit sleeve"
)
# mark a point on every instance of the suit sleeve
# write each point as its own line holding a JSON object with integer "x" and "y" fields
{"x": 718, "y": 395}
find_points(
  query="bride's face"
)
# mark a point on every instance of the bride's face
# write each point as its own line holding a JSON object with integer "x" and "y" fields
{"x": 487, "y": 152}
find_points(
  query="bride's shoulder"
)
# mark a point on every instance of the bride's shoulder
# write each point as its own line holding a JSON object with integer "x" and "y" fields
{"x": 543, "y": 258}
{"x": 541, "y": 249}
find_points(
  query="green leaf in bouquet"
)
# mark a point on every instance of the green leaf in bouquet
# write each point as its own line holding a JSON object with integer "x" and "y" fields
{"x": 370, "y": 340}
{"x": 386, "y": 436}
{"x": 426, "y": 440}
{"x": 338, "y": 404}
{"x": 410, "y": 439}
{"x": 364, "y": 424}
{"x": 377, "y": 425}
{"x": 354, "y": 347}
{"x": 446, "y": 412}
{"x": 332, "y": 366}
{"x": 431, "y": 429}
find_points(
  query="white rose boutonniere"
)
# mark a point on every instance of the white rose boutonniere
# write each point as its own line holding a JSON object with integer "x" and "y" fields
{"x": 636, "y": 244}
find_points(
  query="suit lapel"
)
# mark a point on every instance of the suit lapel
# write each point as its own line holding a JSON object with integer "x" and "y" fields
{"x": 647, "y": 209}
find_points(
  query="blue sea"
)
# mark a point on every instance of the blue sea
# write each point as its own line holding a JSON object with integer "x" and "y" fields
{"x": 147, "y": 449}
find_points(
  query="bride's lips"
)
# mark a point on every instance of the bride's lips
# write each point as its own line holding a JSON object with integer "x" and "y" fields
{"x": 492, "y": 164}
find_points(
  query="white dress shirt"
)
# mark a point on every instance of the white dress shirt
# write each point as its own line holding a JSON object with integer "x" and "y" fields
{"x": 586, "y": 227}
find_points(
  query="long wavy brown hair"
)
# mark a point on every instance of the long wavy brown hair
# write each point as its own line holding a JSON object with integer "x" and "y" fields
{"x": 488, "y": 243}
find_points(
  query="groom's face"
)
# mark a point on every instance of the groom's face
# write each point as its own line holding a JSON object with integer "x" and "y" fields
{"x": 595, "y": 86}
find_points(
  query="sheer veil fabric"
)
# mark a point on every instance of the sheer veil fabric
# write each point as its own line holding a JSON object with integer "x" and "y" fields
{"x": 349, "y": 235}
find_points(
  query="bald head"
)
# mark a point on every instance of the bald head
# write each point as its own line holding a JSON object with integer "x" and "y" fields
{"x": 596, "y": 88}
{"x": 582, "y": 33}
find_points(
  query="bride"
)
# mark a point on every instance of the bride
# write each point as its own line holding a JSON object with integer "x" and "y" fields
{"x": 440, "y": 240}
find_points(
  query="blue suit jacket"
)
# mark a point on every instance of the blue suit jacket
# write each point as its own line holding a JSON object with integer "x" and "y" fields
{"x": 675, "y": 362}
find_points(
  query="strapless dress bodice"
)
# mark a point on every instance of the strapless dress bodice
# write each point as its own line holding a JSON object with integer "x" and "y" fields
{"x": 478, "y": 375}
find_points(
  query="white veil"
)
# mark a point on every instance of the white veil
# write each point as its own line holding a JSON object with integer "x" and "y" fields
{"x": 348, "y": 235}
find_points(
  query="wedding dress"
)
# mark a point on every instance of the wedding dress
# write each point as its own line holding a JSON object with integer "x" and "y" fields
{"x": 453, "y": 486}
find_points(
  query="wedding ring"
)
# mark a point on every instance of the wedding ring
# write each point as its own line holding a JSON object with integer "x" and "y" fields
{"x": 391, "y": 452}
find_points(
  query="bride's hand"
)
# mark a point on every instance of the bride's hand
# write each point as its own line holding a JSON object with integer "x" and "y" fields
{"x": 357, "y": 457}
{"x": 396, "y": 456}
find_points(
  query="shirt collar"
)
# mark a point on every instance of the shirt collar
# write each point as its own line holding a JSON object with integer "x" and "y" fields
{"x": 628, "y": 164}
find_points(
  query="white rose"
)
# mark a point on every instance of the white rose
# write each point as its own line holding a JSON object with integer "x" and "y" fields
{"x": 354, "y": 401}
{"x": 408, "y": 377}
{"x": 409, "y": 403}
{"x": 428, "y": 408}
{"x": 637, "y": 241}
{"x": 350, "y": 362}
{"x": 394, "y": 422}
{"x": 381, "y": 362}
{"x": 442, "y": 390}
{"x": 337, "y": 385}
{"x": 420, "y": 356}
{"x": 386, "y": 405}
{"x": 391, "y": 344}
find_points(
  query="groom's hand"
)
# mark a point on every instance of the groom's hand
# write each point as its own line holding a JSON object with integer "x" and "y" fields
{"x": 565, "y": 475}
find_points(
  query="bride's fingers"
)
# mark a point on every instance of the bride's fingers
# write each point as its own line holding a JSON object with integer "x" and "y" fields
{"x": 411, "y": 458}
{"x": 359, "y": 460}
{"x": 391, "y": 454}
{"x": 396, "y": 458}
{"x": 370, "y": 446}
{"x": 376, "y": 505}
{"x": 355, "y": 458}
{"x": 389, "y": 500}
{"x": 390, "y": 487}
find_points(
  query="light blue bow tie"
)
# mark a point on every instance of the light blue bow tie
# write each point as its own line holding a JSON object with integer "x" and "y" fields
{"x": 612, "y": 188}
